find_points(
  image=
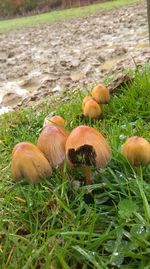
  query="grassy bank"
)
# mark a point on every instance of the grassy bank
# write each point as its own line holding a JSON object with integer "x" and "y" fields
{"x": 8, "y": 25}
{"x": 51, "y": 225}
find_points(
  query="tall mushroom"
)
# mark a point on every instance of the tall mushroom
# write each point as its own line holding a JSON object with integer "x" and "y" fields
{"x": 87, "y": 147}
{"x": 92, "y": 109}
{"x": 29, "y": 162}
{"x": 52, "y": 143}
{"x": 86, "y": 99}
{"x": 137, "y": 150}
{"x": 100, "y": 93}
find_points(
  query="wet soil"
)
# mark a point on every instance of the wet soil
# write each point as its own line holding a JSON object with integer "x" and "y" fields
{"x": 44, "y": 61}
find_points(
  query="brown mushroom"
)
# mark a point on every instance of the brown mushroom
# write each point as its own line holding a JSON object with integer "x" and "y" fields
{"x": 55, "y": 120}
{"x": 92, "y": 109}
{"x": 137, "y": 150}
{"x": 52, "y": 143}
{"x": 100, "y": 93}
{"x": 29, "y": 162}
{"x": 87, "y": 147}
{"x": 86, "y": 99}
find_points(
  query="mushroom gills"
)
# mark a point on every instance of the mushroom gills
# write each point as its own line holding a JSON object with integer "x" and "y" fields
{"x": 84, "y": 155}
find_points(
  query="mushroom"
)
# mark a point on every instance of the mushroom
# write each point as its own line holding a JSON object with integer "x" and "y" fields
{"x": 52, "y": 143}
{"x": 137, "y": 150}
{"x": 29, "y": 162}
{"x": 100, "y": 93}
{"x": 55, "y": 120}
{"x": 92, "y": 109}
{"x": 86, "y": 99}
{"x": 87, "y": 147}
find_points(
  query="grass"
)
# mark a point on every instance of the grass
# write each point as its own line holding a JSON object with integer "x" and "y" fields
{"x": 52, "y": 225}
{"x": 13, "y": 24}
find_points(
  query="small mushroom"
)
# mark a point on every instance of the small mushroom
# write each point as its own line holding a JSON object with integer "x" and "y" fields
{"x": 92, "y": 109}
{"x": 137, "y": 150}
{"x": 29, "y": 162}
{"x": 100, "y": 93}
{"x": 52, "y": 143}
{"x": 86, "y": 99}
{"x": 55, "y": 120}
{"x": 87, "y": 147}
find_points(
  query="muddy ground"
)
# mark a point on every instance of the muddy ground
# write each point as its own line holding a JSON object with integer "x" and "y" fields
{"x": 43, "y": 61}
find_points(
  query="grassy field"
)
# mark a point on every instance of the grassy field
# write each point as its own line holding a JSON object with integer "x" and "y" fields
{"x": 52, "y": 225}
{"x": 8, "y": 25}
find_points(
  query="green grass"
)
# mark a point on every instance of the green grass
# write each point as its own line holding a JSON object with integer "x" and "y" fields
{"x": 13, "y": 24}
{"x": 51, "y": 225}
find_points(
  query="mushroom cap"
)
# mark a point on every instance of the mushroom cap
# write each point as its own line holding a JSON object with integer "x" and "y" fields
{"x": 100, "y": 93}
{"x": 52, "y": 143}
{"x": 92, "y": 109}
{"x": 137, "y": 150}
{"x": 55, "y": 120}
{"x": 85, "y": 145}
{"x": 86, "y": 99}
{"x": 29, "y": 162}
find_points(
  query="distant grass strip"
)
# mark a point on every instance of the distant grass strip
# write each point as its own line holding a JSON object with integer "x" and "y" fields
{"x": 13, "y": 24}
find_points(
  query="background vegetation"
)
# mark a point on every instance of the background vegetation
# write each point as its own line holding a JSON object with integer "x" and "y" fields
{"x": 9, "y": 8}
{"x": 7, "y": 25}
{"x": 12, "y": 7}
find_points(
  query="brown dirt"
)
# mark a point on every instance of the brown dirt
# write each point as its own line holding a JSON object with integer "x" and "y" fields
{"x": 44, "y": 61}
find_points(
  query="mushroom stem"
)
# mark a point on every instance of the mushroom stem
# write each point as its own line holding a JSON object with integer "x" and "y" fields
{"x": 138, "y": 170}
{"x": 88, "y": 180}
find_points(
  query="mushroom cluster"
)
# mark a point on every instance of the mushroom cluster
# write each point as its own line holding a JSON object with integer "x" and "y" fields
{"x": 34, "y": 162}
{"x": 92, "y": 105}
{"x": 83, "y": 147}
